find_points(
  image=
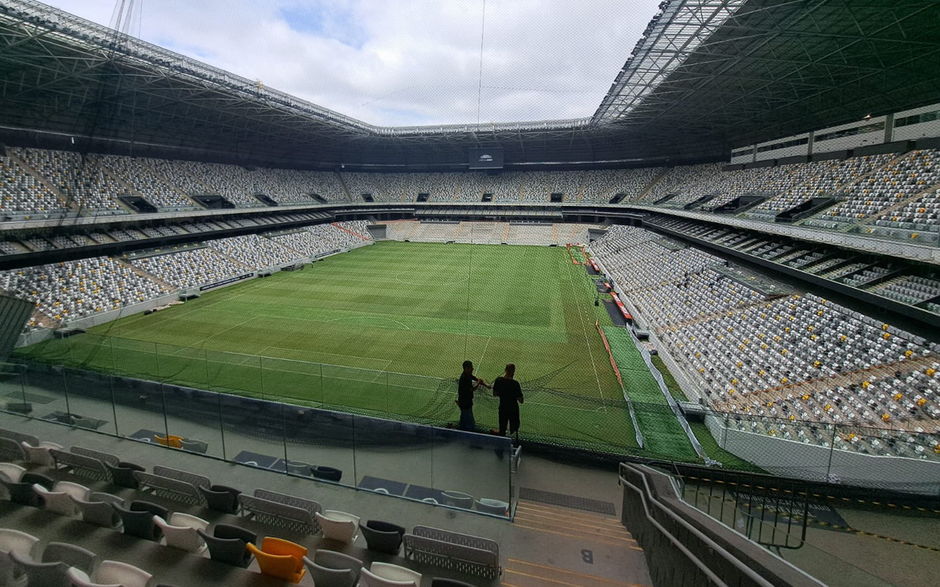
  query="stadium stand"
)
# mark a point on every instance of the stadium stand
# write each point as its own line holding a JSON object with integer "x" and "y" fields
{"x": 82, "y": 181}
{"x": 895, "y": 195}
{"x": 314, "y": 241}
{"x": 77, "y": 289}
{"x": 254, "y": 251}
{"x": 601, "y": 186}
{"x": 191, "y": 267}
{"x": 156, "y": 513}
{"x": 795, "y": 357}
{"x": 291, "y": 186}
{"x": 889, "y": 186}
{"x": 687, "y": 183}
{"x": 816, "y": 179}
{"x": 22, "y": 195}
{"x": 146, "y": 182}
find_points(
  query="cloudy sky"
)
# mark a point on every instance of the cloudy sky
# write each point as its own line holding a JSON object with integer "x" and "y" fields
{"x": 406, "y": 62}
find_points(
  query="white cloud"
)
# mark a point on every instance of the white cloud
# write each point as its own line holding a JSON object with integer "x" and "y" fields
{"x": 406, "y": 62}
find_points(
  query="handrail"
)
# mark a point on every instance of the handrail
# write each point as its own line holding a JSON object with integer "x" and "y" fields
{"x": 694, "y": 559}
{"x": 719, "y": 550}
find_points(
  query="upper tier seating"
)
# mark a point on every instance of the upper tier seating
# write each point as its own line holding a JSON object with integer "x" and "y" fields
{"x": 689, "y": 182}
{"x": 82, "y": 181}
{"x": 895, "y": 194}
{"x": 150, "y": 185}
{"x": 818, "y": 179}
{"x": 601, "y": 186}
{"x": 22, "y": 195}
{"x": 885, "y": 187}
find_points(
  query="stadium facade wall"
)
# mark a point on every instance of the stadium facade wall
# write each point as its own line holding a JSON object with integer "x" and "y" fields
{"x": 789, "y": 458}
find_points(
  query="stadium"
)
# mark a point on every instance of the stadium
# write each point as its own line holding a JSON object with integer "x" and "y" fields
{"x": 233, "y": 317}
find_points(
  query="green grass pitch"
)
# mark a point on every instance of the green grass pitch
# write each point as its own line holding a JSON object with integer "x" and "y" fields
{"x": 383, "y": 330}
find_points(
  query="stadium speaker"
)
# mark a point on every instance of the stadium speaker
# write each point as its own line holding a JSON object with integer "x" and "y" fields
{"x": 3, "y": 150}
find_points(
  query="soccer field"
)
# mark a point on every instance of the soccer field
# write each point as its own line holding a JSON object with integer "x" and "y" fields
{"x": 383, "y": 330}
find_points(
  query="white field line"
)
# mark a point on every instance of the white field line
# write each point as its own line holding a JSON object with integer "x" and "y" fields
{"x": 486, "y": 346}
{"x": 373, "y": 317}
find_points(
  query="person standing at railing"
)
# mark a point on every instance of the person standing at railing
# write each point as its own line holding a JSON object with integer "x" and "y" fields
{"x": 509, "y": 392}
{"x": 466, "y": 385}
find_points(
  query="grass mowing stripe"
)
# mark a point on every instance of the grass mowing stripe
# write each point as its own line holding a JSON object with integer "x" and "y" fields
{"x": 662, "y": 431}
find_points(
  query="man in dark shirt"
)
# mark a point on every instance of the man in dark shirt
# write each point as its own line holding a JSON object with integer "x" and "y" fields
{"x": 510, "y": 397}
{"x": 466, "y": 385}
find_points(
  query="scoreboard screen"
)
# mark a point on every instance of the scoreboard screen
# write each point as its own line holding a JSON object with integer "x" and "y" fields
{"x": 491, "y": 158}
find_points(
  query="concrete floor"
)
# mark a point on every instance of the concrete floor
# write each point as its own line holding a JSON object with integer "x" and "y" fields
{"x": 885, "y": 547}
{"x": 545, "y": 545}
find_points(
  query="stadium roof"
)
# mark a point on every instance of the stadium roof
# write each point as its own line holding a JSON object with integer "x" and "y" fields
{"x": 707, "y": 76}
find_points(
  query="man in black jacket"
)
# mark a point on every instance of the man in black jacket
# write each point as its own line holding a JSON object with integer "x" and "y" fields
{"x": 466, "y": 385}
{"x": 509, "y": 392}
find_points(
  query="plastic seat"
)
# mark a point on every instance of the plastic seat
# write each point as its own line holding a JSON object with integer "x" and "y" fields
{"x": 40, "y": 454}
{"x": 299, "y": 468}
{"x": 493, "y": 506}
{"x": 382, "y": 536}
{"x": 59, "y": 500}
{"x": 327, "y": 474}
{"x": 170, "y": 440}
{"x": 123, "y": 474}
{"x": 138, "y": 520}
{"x": 118, "y": 573}
{"x": 180, "y": 531}
{"x": 97, "y": 509}
{"x": 458, "y": 499}
{"x": 280, "y": 558}
{"x": 337, "y": 525}
{"x": 23, "y": 493}
{"x": 57, "y": 559}
{"x": 221, "y": 498}
{"x": 11, "y": 472}
{"x": 25, "y": 546}
{"x": 228, "y": 544}
{"x": 193, "y": 445}
{"x": 333, "y": 569}
{"x": 388, "y": 575}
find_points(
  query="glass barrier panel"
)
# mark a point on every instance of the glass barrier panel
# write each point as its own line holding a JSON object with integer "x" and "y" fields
{"x": 427, "y": 399}
{"x": 139, "y": 409}
{"x": 182, "y": 366}
{"x": 89, "y": 400}
{"x": 392, "y": 457}
{"x": 135, "y": 358}
{"x": 234, "y": 373}
{"x": 45, "y": 392}
{"x": 254, "y": 432}
{"x": 91, "y": 352}
{"x": 195, "y": 418}
{"x": 354, "y": 388}
{"x": 53, "y": 351}
{"x": 472, "y": 471}
{"x": 13, "y": 390}
{"x": 292, "y": 381}
{"x": 320, "y": 444}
